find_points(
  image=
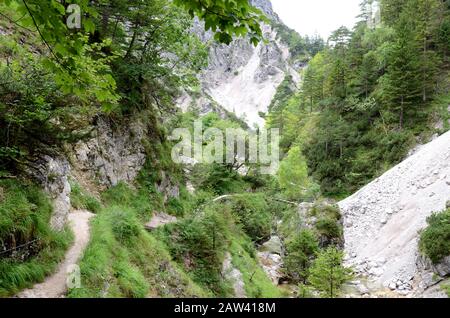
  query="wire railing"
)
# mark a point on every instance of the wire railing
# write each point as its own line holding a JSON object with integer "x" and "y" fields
{"x": 19, "y": 247}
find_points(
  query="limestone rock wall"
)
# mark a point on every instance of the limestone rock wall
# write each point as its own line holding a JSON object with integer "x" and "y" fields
{"x": 114, "y": 153}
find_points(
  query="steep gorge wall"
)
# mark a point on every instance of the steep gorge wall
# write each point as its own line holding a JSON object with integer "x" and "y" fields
{"x": 111, "y": 154}
{"x": 114, "y": 153}
{"x": 241, "y": 78}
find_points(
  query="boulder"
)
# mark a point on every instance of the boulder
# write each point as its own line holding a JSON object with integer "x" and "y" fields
{"x": 234, "y": 276}
{"x": 159, "y": 219}
{"x": 443, "y": 268}
{"x": 427, "y": 279}
{"x": 273, "y": 246}
{"x": 362, "y": 289}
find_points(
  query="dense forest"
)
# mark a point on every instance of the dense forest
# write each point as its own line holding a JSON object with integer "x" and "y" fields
{"x": 369, "y": 96}
{"x": 366, "y": 97}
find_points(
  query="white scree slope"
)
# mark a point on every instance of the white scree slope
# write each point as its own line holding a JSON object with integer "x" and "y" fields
{"x": 383, "y": 219}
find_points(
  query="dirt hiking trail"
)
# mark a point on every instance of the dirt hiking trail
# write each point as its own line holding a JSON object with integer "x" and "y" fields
{"x": 55, "y": 286}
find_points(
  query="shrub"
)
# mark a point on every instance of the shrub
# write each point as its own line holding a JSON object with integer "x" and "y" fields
{"x": 217, "y": 178}
{"x": 124, "y": 224}
{"x": 175, "y": 207}
{"x": 435, "y": 239}
{"x": 253, "y": 213}
{"x": 327, "y": 274}
{"x": 199, "y": 244}
{"x": 300, "y": 252}
{"x": 328, "y": 225}
{"x": 329, "y": 228}
{"x": 326, "y": 210}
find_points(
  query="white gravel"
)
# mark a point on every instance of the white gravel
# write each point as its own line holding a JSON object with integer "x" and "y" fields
{"x": 382, "y": 221}
{"x": 244, "y": 95}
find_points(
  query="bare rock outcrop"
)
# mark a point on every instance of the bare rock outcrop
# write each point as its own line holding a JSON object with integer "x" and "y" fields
{"x": 114, "y": 153}
{"x": 52, "y": 173}
{"x": 241, "y": 78}
{"x": 233, "y": 275}
{"x": 158, "y": 220}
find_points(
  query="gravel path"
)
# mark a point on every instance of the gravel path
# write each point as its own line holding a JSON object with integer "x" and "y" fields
{"x": 55, "y": 286}
{"x": 383, "y": 219}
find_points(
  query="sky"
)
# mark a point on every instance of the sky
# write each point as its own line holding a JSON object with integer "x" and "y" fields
{"x": 317, "y": 16}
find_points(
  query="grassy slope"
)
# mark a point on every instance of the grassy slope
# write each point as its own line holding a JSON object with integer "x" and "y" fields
{"x": 25, "y": 213}
{"x": 129, "y": 265}
{"x": 257, "y": 283}
{"x": 124, "y": 260}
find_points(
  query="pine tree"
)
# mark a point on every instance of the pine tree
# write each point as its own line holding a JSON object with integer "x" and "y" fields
{"x": 339, "y": 40}
{"x": 401, "y": 85}
{"x": 327, "y": 273}
{"x": 426, "y": 17}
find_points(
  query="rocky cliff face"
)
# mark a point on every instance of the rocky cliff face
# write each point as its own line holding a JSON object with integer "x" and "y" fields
{"x": 241, "y": 78}
{"x": 53, "y": 174}
{"x": 112, "y": 154}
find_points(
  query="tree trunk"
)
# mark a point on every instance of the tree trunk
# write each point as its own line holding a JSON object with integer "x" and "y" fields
{"x": 401, "y": 114}
{"x": 424, "y": 76}
{"x": 130, "y": 48}
{"x": 105, "y": 22}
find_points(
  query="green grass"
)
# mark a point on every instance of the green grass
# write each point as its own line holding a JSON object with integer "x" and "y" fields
{"x": 123, "y": 260}
{"x": 143, "y": 202}
{"x": 81, "y": 200}
{"x": 25, "y": 213}
{"x": 257, "y": 283}
{"x": 182, "y": 259}
{"x": 446, "y": 289}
